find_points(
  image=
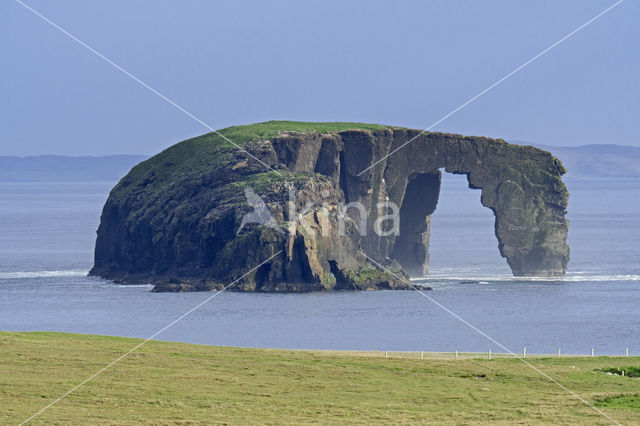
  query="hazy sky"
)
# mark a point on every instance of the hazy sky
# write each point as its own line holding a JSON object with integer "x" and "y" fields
{"x": 233, "y": 62}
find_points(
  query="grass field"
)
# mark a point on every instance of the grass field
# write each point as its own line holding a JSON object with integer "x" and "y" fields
{"x": 181, "y": 383}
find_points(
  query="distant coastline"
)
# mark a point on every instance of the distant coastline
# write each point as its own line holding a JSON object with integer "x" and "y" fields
{"x": 595, "y": 161}
{"x": 47, "y": 168}
{"x": 585, "y": 161}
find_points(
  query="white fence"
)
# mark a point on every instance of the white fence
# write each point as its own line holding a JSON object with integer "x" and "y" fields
{"x": 467, "y": 355}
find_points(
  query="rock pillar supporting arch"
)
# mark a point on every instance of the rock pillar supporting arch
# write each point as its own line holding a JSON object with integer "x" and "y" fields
{"x": 411, "y": 247}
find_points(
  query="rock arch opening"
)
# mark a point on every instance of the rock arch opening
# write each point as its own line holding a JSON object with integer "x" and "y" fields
{"x": 463, "y": 241}
{"x": 463, "y": 237}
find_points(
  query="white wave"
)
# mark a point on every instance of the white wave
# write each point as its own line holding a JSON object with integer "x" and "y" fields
{"x": 43, "y": 274}
{"x": 133, "y": 285}
{"x": 580, "y": 277}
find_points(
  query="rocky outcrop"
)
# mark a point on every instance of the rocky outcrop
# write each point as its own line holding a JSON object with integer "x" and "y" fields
{"x": 180, "y": 218}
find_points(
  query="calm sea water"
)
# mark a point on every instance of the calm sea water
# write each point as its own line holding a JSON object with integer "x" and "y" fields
{"x": 47, "y": 232}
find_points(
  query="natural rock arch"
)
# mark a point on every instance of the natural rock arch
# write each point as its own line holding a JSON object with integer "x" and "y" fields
{"x": 173, "y": 219}
{"x": 522, "y": 186}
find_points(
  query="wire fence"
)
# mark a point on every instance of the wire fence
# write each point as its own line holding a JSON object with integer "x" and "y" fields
{"x": 470, "y": 355}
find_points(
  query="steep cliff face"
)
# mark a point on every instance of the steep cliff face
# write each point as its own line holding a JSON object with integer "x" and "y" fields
{"x": 177, "y": 218}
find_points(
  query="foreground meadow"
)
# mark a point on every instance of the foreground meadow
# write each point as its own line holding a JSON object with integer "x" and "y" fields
{"x": 165, "y": 382}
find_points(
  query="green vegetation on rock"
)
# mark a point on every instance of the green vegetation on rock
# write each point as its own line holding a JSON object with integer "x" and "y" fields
{"x": 269, "y": 129}
{"x": 202, "y": 153}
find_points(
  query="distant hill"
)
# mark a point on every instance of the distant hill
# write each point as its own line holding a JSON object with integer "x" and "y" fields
{"x": 604, "y": 161}
{"x": 62, "y": 168}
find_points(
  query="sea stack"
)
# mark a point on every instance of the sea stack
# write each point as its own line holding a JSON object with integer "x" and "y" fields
{"x": 179, "y": 219}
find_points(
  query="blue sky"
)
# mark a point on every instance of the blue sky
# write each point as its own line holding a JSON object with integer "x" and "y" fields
{"x": 402, "y": 63}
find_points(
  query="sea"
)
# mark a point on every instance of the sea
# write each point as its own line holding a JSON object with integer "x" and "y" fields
{"x": 47, "y": 237}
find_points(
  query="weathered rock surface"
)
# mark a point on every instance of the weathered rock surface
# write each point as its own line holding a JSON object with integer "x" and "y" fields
{"x": 177, "y": 219}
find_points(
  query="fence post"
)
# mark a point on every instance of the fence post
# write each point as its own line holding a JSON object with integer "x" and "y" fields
{"x": 524, "y": 352}
{"x": 592, "y": 352}
{"x": 489, "y": 353}
{"x": 626, "y": 352}
{"x": 421, "y": 354}
{"x": 386, "y": 354}
{"x": 456, "y": 354}
{"x": 558, "y": 352}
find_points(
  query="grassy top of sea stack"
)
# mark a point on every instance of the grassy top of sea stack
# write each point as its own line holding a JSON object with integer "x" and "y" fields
{"x": 203, "y": 153}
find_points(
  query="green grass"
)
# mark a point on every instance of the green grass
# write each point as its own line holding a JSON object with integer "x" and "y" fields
{"x": 621, "y": 401}
{"x": 270, "y": 129}
{"x": 180, "y": 383}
